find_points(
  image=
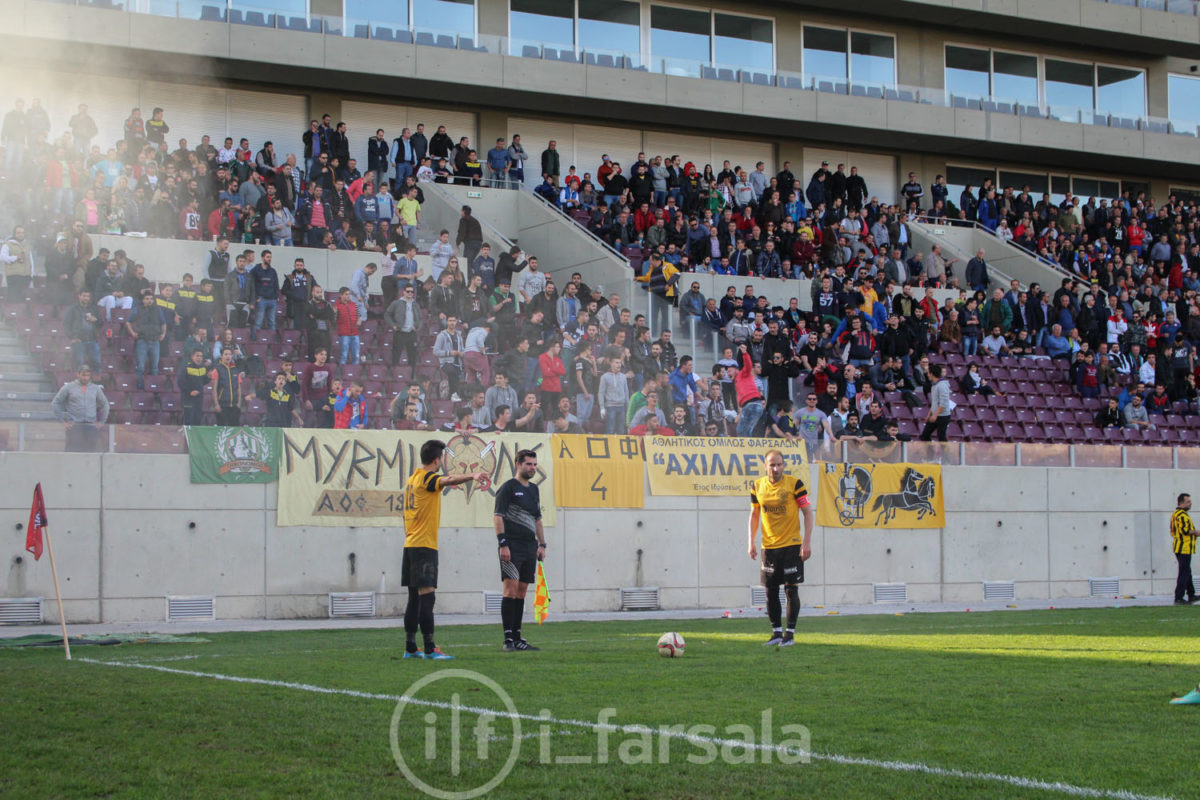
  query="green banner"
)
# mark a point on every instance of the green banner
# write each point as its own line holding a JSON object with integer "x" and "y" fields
{"x": 234, "y": 455}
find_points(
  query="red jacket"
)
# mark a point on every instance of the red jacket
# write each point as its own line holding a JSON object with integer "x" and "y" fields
{"x": 552, "y": 372}
{"x": 347, "y": 318}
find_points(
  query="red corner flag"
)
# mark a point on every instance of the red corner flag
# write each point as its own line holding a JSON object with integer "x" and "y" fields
{"x": 37, "y": 521}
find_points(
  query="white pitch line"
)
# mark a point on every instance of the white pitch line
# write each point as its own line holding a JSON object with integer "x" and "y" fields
{"x": 833, "y": 758}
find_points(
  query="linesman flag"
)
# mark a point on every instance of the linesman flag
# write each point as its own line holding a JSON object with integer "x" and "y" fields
{"x": 37, "y": 522}
{"x": 541, "y": 597}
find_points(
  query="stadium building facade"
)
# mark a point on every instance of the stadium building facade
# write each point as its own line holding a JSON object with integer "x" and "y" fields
{"x": 1081, "y": 96}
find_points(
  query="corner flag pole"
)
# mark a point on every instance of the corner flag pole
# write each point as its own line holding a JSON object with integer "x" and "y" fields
{"x": 62, "y": 614}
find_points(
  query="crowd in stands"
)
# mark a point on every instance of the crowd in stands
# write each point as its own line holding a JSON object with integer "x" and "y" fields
{"x": 493, "y": 335}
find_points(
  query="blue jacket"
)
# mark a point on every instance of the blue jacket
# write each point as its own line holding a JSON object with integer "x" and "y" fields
{"x": 680, "y": 383}
{"x": 266, "y": 283}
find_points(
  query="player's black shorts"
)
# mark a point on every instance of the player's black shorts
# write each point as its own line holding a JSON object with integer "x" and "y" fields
{"x": 522, "y": 565}
{"x": 782, "y": 565}
{"x": 419, "y": 567}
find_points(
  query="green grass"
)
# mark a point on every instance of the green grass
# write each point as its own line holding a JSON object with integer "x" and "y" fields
{"x": 1078, "y": 697}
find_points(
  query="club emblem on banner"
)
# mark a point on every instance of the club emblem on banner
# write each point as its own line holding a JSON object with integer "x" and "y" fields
{"x": 880, "y": 496}
{"x": 243, "y": 451}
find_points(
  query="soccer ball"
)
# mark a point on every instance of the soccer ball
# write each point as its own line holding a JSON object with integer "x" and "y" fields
{"x": 671, "y": 645}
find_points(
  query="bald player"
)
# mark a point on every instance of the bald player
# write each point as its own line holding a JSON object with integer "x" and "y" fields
{"x": 778, "y": 500}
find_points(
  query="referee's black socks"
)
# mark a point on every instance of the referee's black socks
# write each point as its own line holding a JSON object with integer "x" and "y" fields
{"x": 512, "y": 609}
{"x": 518, "y": 613}
{"x": 507, "y": 605}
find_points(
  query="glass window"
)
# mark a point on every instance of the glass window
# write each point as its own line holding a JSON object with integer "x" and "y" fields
{"x": 1110, "y": 189}
{"x": 679, "y": 39}
{"x": 295, "y": 8}
{"x": 1015, "y": 78}
{"x": 612, "y": 25}
{"x": 958, "y": 178}
{"x": 1185, "y": 195}
{"x": 1085, "y": 188}
{"x": 1068, "y": 88}
{"x": 455, "y": 16}
{"x": 825, "y": 52}
{"x": 1038, "y": 183}
{"x": 1121, "y": 92}
{"x": 872, "y": 59}
{"x": 1059, "y": 186}
{"x": 966, "y": 72}
{"x": 744, "y": 42}
{"x": 548, "y": 21}
{"x": 1183, "y": 101}
{"x": 376, "y": 12}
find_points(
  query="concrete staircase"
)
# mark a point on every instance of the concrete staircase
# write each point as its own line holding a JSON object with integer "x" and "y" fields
{"x": 1005, "y": 261}
{"x": 25, "y": 390}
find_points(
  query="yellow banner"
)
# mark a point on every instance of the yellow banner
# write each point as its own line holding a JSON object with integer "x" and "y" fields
{"x": 699, "y": 465}
{"x": 881, "y": 496}
{"x": 341, "y": 478}
{"x": 598, "y": 471}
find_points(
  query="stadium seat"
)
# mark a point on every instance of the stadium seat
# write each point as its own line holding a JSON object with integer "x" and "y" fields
{"x": 444, "y": 40}
{"x": 425, "y": 38}
{"x": 362, "y": 31}
{"x": 530, "y": 51}
{"x": 384, "y": 34}
{"x": 605, "y": 60}
{"x": 212, "y": 13}
{"x": 404, "y": 36}
{"x": 726, "y": 75}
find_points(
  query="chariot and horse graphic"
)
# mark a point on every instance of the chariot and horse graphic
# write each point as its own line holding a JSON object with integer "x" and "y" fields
{"x": 855, "y": 490}
{"x": 916, "y": 494}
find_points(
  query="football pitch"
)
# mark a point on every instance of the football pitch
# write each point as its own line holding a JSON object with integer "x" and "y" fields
{"x": 1012, "y": 704}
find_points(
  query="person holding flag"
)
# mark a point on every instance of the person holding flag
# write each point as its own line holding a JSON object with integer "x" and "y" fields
{"x": 522, "y": 544}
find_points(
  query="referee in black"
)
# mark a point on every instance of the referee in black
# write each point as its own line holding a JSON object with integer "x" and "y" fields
{"x": 518, "y": 519}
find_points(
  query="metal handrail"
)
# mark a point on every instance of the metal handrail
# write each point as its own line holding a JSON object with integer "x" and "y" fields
{"x": 435, "y": 188}
{"x": 564, "y": 217}
{"x": 970, "y": 223}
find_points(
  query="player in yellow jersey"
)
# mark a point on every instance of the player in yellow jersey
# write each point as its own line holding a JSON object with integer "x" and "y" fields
{"x": 778, "y": 501}
{"x": 1183, "y": 543}
{"x": 419, "y": 570}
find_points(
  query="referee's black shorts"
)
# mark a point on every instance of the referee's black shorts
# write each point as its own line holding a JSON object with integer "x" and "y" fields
{"x": 782, "y": 565}
{"x": 419, "y": 567}
{"x": 522, "y": 564}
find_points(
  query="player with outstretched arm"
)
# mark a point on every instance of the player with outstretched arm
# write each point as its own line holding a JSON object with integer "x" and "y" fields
{"x": 419, "y": 569}
{"x": 778, "y": 500}
{"x": 522, "y": 543}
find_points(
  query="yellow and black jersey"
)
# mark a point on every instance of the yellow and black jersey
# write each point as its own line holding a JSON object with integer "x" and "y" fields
{"x": 1183, "y": 533}
{"x": 779, "y": 503}
{"x": 422, "y": 509}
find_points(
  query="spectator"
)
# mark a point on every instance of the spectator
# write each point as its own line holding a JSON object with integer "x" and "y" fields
{"x": 1136, "y": 417}
{"x": 82, "y": 327}
{"x": 973, "y": 382}
{"x": 1056, "y": 344}
{"x": 940, "y": 406}
{"x": 83, "y": 409}
{"x": 350, "y": 408}
{"x": 995, "y": 344}
{"x": 265, "y": 294}
{"x": 147, "y": 326}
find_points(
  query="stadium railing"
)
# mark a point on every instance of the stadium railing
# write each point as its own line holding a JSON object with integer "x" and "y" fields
{"x": 50, "y": 437}
{"x": 236, "y": 13}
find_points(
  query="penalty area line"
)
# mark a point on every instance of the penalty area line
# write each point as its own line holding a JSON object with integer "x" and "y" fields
{"x": 1059, "y": 787}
